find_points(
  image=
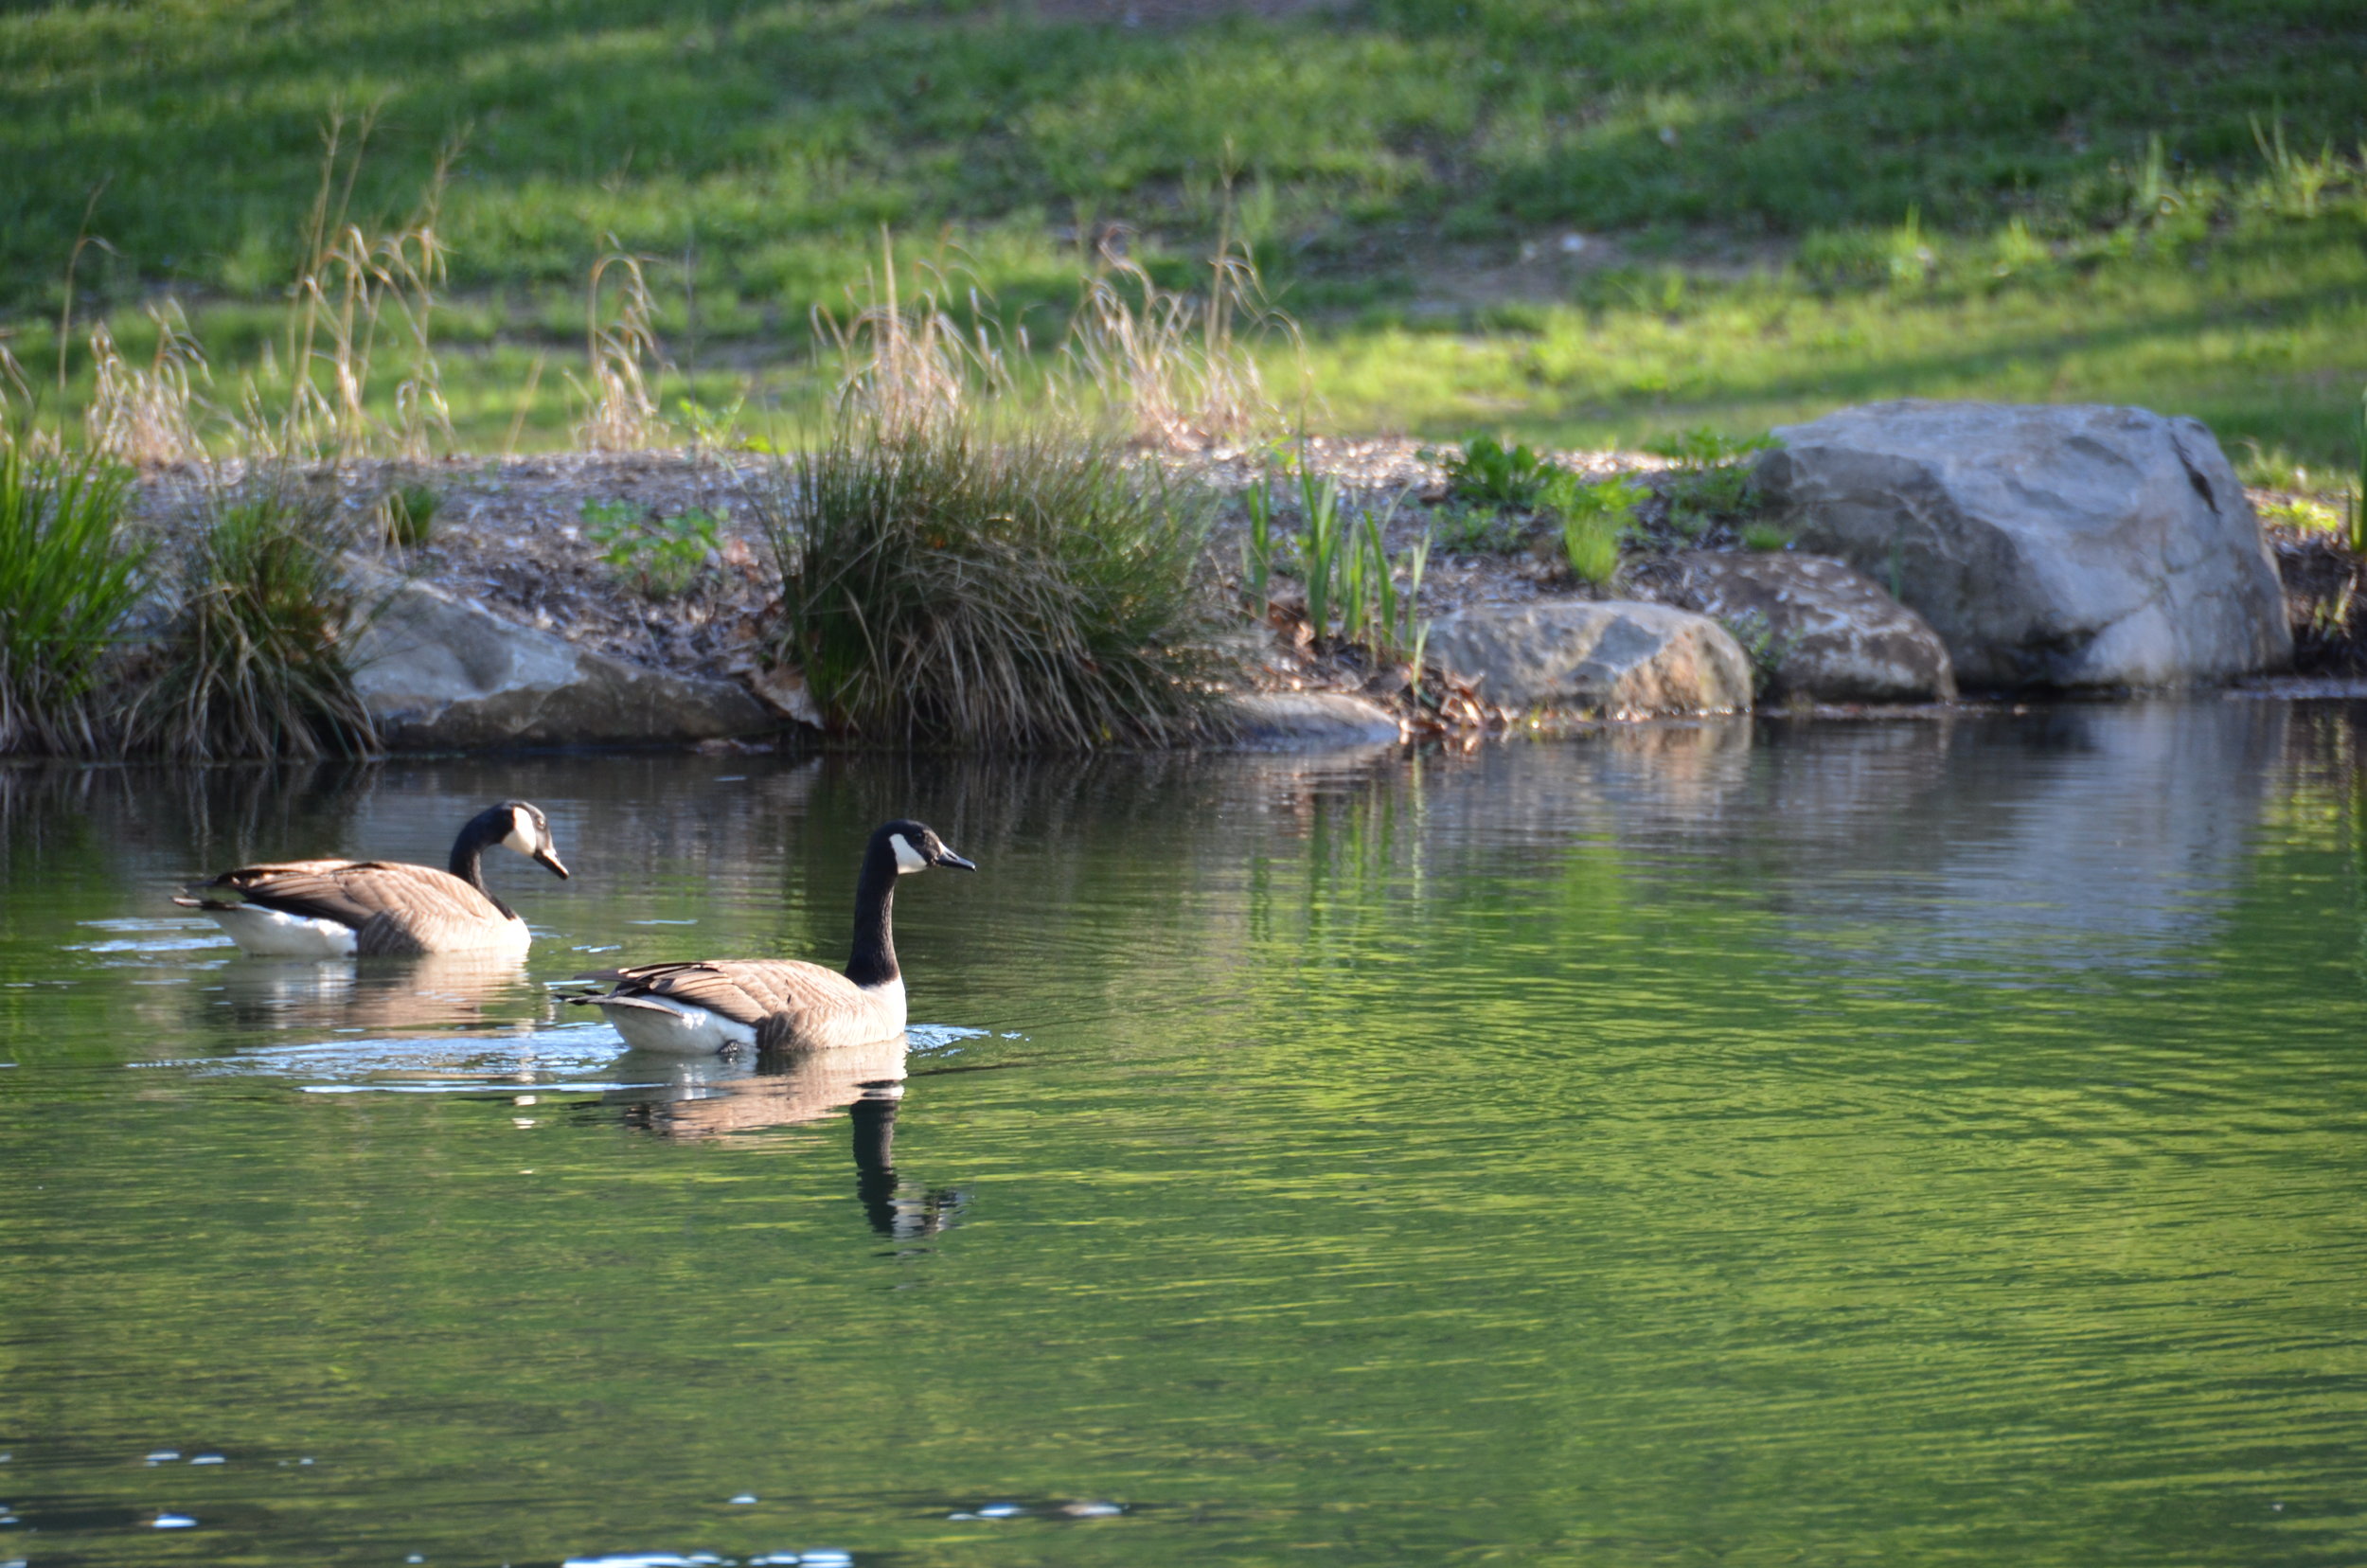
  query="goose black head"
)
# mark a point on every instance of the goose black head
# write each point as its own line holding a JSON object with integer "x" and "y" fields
{"x": 521, "y": 826}
{"x": 916, "y": 847}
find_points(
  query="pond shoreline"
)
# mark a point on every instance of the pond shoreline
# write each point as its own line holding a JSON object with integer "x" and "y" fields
{"x": 509, "y": 540}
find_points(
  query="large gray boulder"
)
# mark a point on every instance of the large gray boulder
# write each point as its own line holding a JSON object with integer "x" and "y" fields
{"x": 1830, "y": 632}
{"x": 1626, "y": 659}
{"x": 443, "y": 672}
{"x": 2049, "y": 547}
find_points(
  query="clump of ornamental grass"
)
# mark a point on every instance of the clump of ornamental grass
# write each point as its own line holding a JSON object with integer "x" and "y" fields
{"x": 956, "y": 579}
{"x": 70, "y": 576}
{"x": 257, "y": 659}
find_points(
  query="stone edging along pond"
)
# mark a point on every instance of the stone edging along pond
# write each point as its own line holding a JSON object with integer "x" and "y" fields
{"x": 2065, "y": 549}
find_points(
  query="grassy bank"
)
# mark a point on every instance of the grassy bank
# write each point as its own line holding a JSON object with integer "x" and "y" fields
{"x": 1802, "y": 204}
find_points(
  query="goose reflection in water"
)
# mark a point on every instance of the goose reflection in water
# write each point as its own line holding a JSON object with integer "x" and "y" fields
{"x": 716, "y": 1098}
{"x": 441, "y": 993}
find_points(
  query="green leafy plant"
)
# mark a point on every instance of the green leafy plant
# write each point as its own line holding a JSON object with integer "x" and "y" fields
{"x": 660, "y": 557}
{"x": 70, "y": 576}
{"x": 1258, "y": 551}
{"x": 1413, "y": 632}
{"x": 1487, "y": 472}
{"x": 1595, "y": 516}
{"x": 2357, "y": 530}
{"x": 1480, "y": 530}
{"x": 1702, "y": 447}
{"x": 1319, "y": 545}
{"x": 1709, "y": 488}
{"x": 257, "y": 659}
{"x": 1764, "y": 536}
{"x": 1346, "y": 566}
{"x": 407, "y": 514}
{"x": 948, "y": 580}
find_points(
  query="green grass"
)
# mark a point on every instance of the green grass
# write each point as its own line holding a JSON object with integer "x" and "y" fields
{"x": 2261, "y": 332}
{"x": 752, "y": 151}
{"x": 70, "y": 577}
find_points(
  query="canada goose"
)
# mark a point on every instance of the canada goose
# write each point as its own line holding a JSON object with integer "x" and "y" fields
{"x": 331, "y": 908}
{"x": 774, "y": 1003}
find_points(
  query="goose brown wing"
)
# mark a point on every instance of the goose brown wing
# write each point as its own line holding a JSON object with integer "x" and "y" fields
{"x": 353, "y": 893}
{"x": 754, "y": 991}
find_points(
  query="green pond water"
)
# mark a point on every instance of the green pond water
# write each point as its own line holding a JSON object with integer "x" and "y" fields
{"x": 1821, "y": 1145}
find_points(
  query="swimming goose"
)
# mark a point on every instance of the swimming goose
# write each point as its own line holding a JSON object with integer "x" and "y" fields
{"x": 771, "y": 1003}
{"x": 331, "y": 908}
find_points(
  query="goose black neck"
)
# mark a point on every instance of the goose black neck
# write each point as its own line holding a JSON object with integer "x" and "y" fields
{"x": 873, "y": 960}
{"x": 468, "y": 853}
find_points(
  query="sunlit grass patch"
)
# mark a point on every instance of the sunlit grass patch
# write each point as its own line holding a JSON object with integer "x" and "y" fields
{"x": 2262, "y": 335}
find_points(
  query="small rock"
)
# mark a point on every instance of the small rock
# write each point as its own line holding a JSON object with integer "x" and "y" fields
{"x": 783, "y": 690}
{"x": 441, "y": 671}
{"x": 1312, "y": 718}
{"x": 1624, "y": 659}
{"x": 1833, "y": 634}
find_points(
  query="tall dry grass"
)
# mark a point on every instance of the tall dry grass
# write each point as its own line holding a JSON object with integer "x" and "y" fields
{"x": 904, "y": 362}
{"x": 1182, "y": 369}
{"x": 620, "y": 352}
{"x": 146, "y": 414}
{"x": 353, "y": 288}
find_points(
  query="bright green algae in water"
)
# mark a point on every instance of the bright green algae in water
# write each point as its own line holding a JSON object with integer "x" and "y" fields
{"x": 1882, "y": 1145}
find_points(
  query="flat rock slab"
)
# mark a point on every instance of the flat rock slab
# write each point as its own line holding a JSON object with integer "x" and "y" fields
{"x": 1308, "y": 720}
{"x": 2070, "y": 546}
{"x": 1830, "y": 632}
{"x": 1623, "y": 659}
{"x": 441, "y": 671}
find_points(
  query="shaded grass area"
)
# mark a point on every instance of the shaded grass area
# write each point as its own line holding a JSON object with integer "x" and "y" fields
{"x": 2052, "y": 157}
{"x": 767, "y": 141}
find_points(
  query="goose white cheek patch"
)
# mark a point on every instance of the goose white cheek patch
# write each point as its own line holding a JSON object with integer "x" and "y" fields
{"x": 907, "y": 857}
{"x": 524, "y": 836}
